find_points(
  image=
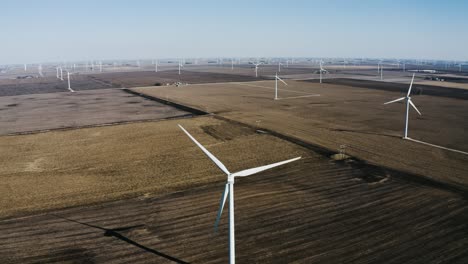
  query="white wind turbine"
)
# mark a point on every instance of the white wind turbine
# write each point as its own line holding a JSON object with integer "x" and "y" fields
{"x": 256, "y": 68}
{"x": 180, "y": 66}
{"x": 229, "y": 190}
{"x": 322, "y": 70}
{"x": 61, "y": 73}
{"x": 279, "y": 66}
{"x": 156, "y": 62}
{"x": 69, "y": 86}
{"x": 277, "y": 78}
{"x": 39, "y": 69}
{"x": 381, "y": 72}
{"x": 407, "y": 98}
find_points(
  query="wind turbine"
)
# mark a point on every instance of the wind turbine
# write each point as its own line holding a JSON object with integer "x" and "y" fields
{"x": 180, "y": 65}
{"x": 408, "y": 103}
{"x": 156, "y": 62}
{"x": 321, "y": 70}
{"x": 57, "y": 68}
{"x": 381, "y": 72}
{"x": 39, "y": 69}
{"x": 276, "y": 85}
{"x": 69, "y": 87}
{"x": 256, "y": 68}
{"x": 229, "y": 190}
{"x": 61, "y": 73}
{"x": 279, "y": 66}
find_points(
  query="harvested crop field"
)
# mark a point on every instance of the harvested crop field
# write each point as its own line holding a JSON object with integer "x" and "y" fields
{"x": 26, "y": 113}
{"x": 150, "y": 78}
{"x": 418, "y": 89}
{"x": 345, "y": 115}
{"x": 311, "y": 211}
{"x": 10, "y": 87}
{"x": 91, "y": 165}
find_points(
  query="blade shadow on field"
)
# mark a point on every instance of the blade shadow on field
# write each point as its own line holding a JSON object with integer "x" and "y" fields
{"x": 114, "y": 232}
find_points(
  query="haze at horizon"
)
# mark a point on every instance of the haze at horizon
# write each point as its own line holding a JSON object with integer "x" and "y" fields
{"x": 41, "y": 31}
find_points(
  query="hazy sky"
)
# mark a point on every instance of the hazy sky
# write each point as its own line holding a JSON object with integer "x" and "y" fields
{"x": 45, "y": 30}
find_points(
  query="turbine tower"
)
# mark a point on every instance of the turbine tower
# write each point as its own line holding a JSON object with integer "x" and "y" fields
{"x": 276, "y": 85}
{"x": 69, "y": 87}
{"x": 229, "y": 190}
{"x": 279, "y": 66}
{"x": 408, "y": 102}
{"x": 256, "y": 68}
{"x": 322, "y": 70}
{"x": 180, "y": 66}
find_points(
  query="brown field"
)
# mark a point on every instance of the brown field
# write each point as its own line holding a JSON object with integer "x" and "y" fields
{"x": 342, "y": 114}
{"x": 75, "y": 167}
{"x": 144, "y": 193}
{"x": 315, "y": 210}
{"x": 149, "y": 78}
{"x": 25, "y": 113}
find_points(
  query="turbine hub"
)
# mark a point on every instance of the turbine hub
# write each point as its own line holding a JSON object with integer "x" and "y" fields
{"x": 230, "y": 179}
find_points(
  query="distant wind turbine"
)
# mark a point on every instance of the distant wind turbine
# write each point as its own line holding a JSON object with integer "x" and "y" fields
{"x": 256, "y": 68}
{"x": 279, "y": 66}
{"x": 381, "y": 72}
{"x": 407, "y": 98}
{"x": 39, "y": 69}
{"x": 322, "y": 70}
{"x": 277, "y": 78}
{"x": 69, "y": 86}
{"x": 180, "y": 66}
{"x": 229, "y": 190}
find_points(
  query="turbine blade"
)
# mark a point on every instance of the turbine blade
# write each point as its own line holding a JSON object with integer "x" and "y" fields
{"x": 411, "y": 86}
{"x": 221, "y": 206}
{"x": 396, "y": 100}
{"x": 281, "y": 80}
{"x": 411, "y": 103}
{"x": 262, "y": 168}
{"x": 211, "y": 156}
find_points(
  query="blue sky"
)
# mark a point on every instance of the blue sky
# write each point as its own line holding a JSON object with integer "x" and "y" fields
{"x": 40, "y": 31}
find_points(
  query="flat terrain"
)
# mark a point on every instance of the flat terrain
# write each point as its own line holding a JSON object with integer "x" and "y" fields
{"x": 77, "y": 167}
{"x": 311, "y": 211}
{"x": 24, "y": 113}
{"x": 345, "y": 115}
{"x": 142, "y": 192}
{"x": 418, "y": 89}
{"x": 10, "y": 87}
{"x": 149, "y": 78}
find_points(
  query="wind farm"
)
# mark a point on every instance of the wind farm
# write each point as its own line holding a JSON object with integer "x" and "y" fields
{"x": 256, "y": 146}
